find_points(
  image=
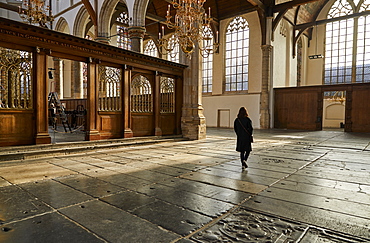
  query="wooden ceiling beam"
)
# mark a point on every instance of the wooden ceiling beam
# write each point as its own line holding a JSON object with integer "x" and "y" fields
{"x": 288, "y": 5}
{"x": 257, "y": 3}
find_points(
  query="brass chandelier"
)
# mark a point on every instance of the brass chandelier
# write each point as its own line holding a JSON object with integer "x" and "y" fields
{"x": 192, "y": 25}
{"x": 35, "y": 12}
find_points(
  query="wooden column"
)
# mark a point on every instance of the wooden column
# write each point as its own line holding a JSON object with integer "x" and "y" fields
{"x": 178, "y": 103}
{"x": 41, "y": 97}
{"x": 157, "y": 104}
{"x": 126, "y": 107}
{"x": 92, "y": 132}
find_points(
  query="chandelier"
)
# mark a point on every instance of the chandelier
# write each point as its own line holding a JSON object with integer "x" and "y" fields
{"x": 191, "y": 25}
{"x": 35, "y": 12}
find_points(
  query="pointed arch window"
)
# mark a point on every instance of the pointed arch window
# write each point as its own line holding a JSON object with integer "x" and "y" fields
{"x": 236, "y": 58}
{"x": 167, "y": 89}
{"x": 347, "y": 57}
{"x": 207, "y": 63}
{"x": 141, "y": 95}
{"x": 151, "y": 49}
{"x": 123, "y": 40}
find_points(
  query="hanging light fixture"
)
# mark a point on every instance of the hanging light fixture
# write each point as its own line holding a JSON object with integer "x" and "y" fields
{"x": 35, "y": 12}
{"x": 191, "y": 25}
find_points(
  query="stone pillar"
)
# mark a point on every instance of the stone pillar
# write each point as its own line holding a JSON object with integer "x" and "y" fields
{"x": 76, "y": 80}
{"x": 57, "y": 83}
{"x": 102, "y": 39}
{"x": 136, "y": 34}
{"x": 265, "y": 94}
{"x": 193, "y": 122}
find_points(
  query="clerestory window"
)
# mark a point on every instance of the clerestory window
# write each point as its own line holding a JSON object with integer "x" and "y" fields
{"x": 347, "y": 44}
{"x": 237, "y": 51}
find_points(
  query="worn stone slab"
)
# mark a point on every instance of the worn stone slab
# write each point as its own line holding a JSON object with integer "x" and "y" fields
{"x": 212, "y": 191}
{"x": 241, "y": 175}
{"x": 51, "y": 227}
{"x": 239, "y": 185}
{"x": 348, "y": 224}
{"x": 128, "y": 200}
{"x": 55, "y": 194}
{"x": 171, "y": 171}
{"x": 22, "y": 173}
{"x": 4, "y": 182}
{"x": 17, "y": 204}
{"x": 328, "y": 192}
{"x": 339, "y": 175}
{"x": 331, "y": 204}
{"x": 126, "y": 181}
{"x": 188, "y": 200}
{"x": 115, "y": 225}
{"x": 327, "y": 183}
{"x": 172, "y": 218}
{"x": 89, "y": 185}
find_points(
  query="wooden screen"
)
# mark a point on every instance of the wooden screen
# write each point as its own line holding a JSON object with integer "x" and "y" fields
{"x": 298, "y": 108}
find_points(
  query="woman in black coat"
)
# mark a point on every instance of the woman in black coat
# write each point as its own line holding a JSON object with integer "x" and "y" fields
{"x": 244, "y": 130}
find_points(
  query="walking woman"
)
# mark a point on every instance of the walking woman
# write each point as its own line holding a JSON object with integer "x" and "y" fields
{"x": 244, "y": 130}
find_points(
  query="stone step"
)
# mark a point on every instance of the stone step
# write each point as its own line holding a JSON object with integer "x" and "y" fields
{"x": 82, "y": 147}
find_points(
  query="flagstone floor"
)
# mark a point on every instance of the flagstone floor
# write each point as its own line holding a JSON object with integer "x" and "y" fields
{"x": 300, "y": 186}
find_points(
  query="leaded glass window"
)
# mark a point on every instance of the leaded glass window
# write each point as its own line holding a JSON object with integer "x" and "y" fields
{"x": 15, "y": 79}
{"x": 151, "y": 49}
{"x": 347, "y": 57}
{"x": 141, "y": 95}
{"x": 123, "y": 40}
{"x": 207, "y": 63}
{"x": 167, "y": 95}
{"x": 173, "y": 55}
{"x": 109, "y": 88}
{"x": 237, "y": 51}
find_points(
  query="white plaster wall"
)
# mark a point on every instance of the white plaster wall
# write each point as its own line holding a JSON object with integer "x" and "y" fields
{"x": 218, "y": 100}
{"x": 279, "y": 57}
{"x": 333, "y": 114}
{"x": 212, "y": 104}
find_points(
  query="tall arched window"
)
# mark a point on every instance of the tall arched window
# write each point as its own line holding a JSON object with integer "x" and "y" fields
{"x": 207, "y": 62}
{"x": 347, "y": 57}
{"x": 237, "y": 50}
{"x": 151, "y": 49}
{"x": 123, "y": 41}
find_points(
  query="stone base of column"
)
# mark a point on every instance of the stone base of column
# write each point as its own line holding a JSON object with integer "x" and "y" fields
{"x": 43, "y": 138}
{"x": 193, "y": 125}
{"x": 157, "y": 131}
{"x": 265, "y": 119}
{"x": 92, "y": 136}
{"x": 128, "y": 133}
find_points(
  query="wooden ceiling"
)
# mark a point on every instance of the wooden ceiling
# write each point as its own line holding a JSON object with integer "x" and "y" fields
{"x": 295, "y": 11}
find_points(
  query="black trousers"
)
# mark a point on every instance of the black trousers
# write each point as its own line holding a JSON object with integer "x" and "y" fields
{"x": 244, "y": 155}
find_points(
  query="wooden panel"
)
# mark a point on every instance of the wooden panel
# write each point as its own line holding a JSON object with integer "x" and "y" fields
{"x": 142, "y": 125}
{"x": 17, "y": 128}
{"x": 168, "y": 124}
{"x": 297, "y": 108}
{"x": 360, "y": 113}
{"x": 111, "y": 125}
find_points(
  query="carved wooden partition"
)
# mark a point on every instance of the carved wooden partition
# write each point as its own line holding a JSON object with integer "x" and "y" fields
{"x": 109, "y": 72}
{"x": 302, "y": 107}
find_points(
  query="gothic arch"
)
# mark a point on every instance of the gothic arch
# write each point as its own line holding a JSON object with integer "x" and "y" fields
{"x": 139, "y": 12}
{"x": 62, "y": 26}
{"x": 79, "y": 27}
{"x": 105, "y": 16}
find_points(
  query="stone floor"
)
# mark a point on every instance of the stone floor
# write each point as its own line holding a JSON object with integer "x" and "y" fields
{"x": 300, "y": 187}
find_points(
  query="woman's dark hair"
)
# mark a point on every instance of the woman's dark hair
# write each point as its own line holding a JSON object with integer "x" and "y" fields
{"x": 242, "y": 112}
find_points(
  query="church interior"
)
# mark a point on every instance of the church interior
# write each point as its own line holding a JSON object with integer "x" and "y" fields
{"x": 108, "y": 74}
